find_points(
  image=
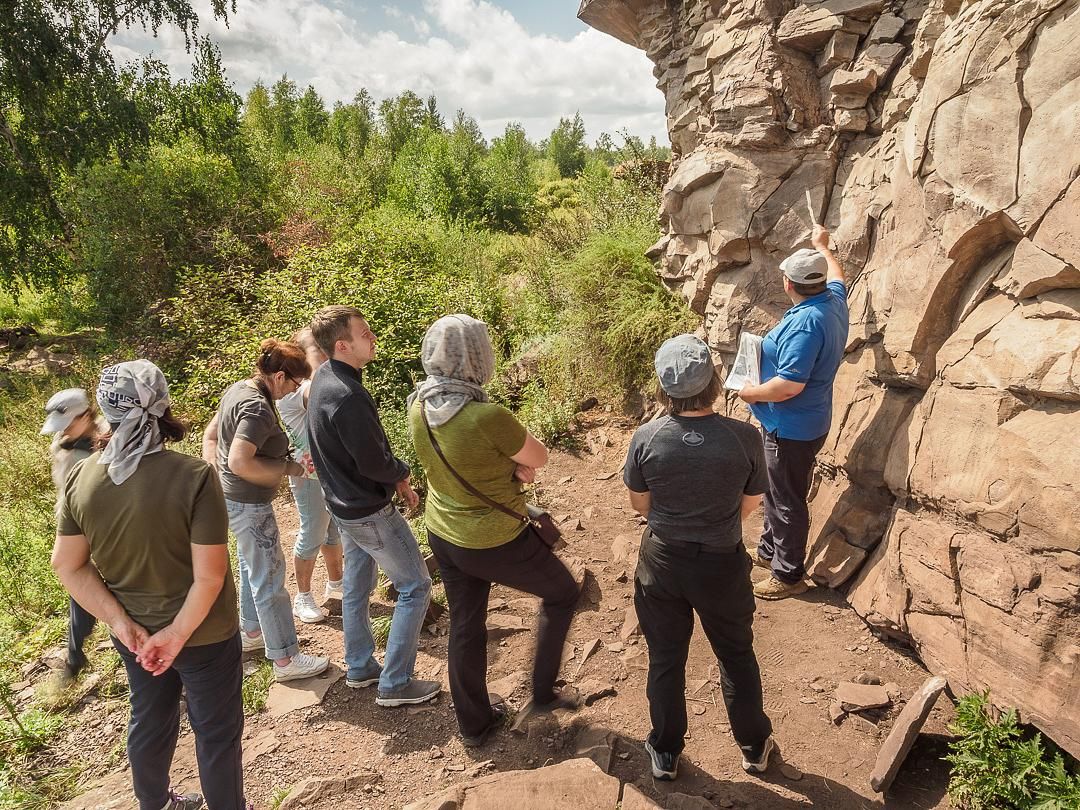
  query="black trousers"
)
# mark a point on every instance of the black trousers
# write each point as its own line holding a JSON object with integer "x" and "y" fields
{"x": 787, "y": 518}
{"x": 80, "y": 625}
{"x": 525, "y": 564}
{"x": 210, "y": 676}
{"x": 672, "y": 582}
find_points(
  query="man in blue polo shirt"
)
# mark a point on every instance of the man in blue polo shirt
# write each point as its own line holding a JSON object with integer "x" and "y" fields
{"x": 799, "y": 360}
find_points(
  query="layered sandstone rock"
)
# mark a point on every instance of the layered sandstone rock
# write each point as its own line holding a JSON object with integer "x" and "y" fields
{"x": 938, "y": 140}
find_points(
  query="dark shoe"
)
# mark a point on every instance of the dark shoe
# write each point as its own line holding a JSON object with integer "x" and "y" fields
{"x": 364, "y": 679}
{"x": 191, "y": 801}
{"x": 665, "y": 767}
{"x": 758, "y": 761}
{"x": 498, "y": 717}
{"x": 415, "y": 691}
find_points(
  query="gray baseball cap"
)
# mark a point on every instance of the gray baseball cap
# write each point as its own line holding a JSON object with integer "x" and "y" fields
{"x": 805, "y": 266}
{"x": 63, "y": 408}
{"x": 684, "y": 366}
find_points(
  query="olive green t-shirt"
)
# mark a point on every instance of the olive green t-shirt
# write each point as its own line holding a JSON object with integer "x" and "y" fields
{"x": 478, "y": 441}
{"x": 141, "y": 532}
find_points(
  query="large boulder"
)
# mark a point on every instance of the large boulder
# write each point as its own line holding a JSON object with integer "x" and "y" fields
{"x": 937, "y": 139}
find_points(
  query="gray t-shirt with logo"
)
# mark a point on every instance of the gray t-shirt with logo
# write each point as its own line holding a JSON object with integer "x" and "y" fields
{"x": 697, "y": 468}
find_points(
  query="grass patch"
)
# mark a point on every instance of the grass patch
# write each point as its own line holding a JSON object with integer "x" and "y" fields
{"x": 277, "y": 796}
{"x": 256, "y": 687}
{"x": 380, "y": 629}
{"x": 999, "y": 764}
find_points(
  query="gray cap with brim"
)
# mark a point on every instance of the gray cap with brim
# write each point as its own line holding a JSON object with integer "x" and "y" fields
{"x": 805, "y": 266}
{"x": 684, "y": 366}
{"x": 63, "y": 407}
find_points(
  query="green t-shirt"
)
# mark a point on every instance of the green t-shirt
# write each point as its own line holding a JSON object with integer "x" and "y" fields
{"x": 141, "y": 532}
{"x": 478, "y": 441}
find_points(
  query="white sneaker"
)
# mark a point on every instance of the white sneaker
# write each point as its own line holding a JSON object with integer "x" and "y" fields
{"x": 305, "y": 609}
{"x": 333, "y": 590}
{"x": 251, "y": 643}
{"x": 301, "y": 666}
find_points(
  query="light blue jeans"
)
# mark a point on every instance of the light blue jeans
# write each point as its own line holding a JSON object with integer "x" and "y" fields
{"x": 316, "y": 527}
{"x": 382, "y": 540}
{"x": 264, "y": 602}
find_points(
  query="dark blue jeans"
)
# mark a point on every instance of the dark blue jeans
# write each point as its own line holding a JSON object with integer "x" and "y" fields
{"x": 210, "y": 675}
{"x": 80, "y": 626}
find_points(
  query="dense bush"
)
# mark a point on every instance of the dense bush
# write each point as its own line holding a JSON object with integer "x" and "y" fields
{"x": 998, "y": 765}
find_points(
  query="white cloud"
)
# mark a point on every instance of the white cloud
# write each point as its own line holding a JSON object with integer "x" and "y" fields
{"x": 471, "y": 54}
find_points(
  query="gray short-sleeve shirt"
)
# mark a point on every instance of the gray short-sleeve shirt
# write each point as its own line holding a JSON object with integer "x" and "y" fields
{"x": 697, "y": 468}
{"x": 246, "y": 413}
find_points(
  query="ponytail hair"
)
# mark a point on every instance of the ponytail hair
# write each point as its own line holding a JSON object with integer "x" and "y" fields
{"x": 279, "y": 355}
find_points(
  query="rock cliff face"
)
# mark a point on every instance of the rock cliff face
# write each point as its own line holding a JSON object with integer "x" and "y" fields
{"x": 940, "y": 142}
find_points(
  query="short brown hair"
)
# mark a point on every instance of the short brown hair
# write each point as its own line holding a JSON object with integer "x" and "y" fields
{"x": 331, "y": 324}
{"x": 704, "y": 399}
{"x": 280, "y": 355}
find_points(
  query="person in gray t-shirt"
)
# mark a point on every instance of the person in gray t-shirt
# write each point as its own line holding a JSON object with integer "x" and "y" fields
{"x": 696, "y": 475}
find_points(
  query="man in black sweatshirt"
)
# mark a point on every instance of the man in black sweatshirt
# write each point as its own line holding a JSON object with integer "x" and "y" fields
{"x": 360, "y": 474}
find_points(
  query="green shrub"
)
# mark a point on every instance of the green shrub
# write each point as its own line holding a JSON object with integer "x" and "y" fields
{"x": 997, "y": 764}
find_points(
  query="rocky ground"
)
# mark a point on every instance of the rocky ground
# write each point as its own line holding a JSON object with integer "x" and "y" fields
{"x": 356, "y": 754}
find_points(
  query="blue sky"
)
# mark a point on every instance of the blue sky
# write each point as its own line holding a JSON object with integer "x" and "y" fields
{"x": 530, "y": 62}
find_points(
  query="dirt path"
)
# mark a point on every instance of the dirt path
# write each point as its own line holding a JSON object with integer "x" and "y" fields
{"x": 805, "y": 647}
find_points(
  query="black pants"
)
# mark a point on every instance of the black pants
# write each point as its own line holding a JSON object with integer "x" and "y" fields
{"x": 787, "y": 518}
{"x": 210, "y": 675}
{"x": 525, "y": 564}
{"x": 671, "y": 583}
{"x": 80, "y": 626}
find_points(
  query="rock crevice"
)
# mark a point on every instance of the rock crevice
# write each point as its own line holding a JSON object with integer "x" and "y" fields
{"x": 938, "y": 141}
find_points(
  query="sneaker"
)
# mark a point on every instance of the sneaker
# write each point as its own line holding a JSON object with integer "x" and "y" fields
{"x": 415, "y": 691}
{"x": 364, "y": 680}
{"x": 772, "y": 588}
{"x": 498, "y": 717}
{"x": 333, "y": 590}
{"x": 759, "y": 764}
{"x": 305, "y": 609}
{"x": 665, "y": 767}
{"x": 301, "y": 666}
{"x": 191, "y": 801}
{"x": 251, "y": 643}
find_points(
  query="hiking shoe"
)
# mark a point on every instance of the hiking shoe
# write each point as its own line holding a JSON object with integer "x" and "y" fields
{"x": 301, "y": 666}
{"x": 305, "y": 609}
{"x": 761, "y": 562}
{"x": 772, "y": 588}
{"x": 758, "y": 764}
{"x": 665, "y": 767}
{"x": 415, "y": 691}
{"x": 333, "y": 590}
{"x": 364, "y": 679}
{"x": 498, "y": 717}
{"x": 190, "y": 801}
{"x": 251, "y": 643}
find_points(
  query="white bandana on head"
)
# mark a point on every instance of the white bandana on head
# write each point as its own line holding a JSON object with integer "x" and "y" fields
{"x": 458, "y": 359}
{"x": 132, "y": 396}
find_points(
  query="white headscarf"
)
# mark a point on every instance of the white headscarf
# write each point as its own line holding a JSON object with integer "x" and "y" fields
{"x": 458, "y": 359}
{"x": 132, "y": 396}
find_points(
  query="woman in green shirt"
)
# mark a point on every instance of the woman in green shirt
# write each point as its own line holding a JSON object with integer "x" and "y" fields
{"x": 475, "y": 544}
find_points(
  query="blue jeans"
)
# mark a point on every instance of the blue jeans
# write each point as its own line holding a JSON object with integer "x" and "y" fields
{"x": 316, "y": 528}
{"x": 264, "y": 602}
{"x": 382, "y": 540}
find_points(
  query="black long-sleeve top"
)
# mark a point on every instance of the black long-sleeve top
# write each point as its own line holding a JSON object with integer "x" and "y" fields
{"x": 356, "y": 467}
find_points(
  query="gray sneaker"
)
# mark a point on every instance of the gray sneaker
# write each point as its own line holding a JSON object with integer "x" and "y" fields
{"x": 190, "y": 801}
{"x": 415, "y": 691}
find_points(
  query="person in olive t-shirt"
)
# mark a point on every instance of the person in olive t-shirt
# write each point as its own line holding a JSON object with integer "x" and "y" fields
{"x": 475, "y": 544}
{"x": 142, "y": 544}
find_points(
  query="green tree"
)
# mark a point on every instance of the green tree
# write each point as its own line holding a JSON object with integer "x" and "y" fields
{"x": 63, "y": 102}
{"x": 284, "y": 100}
{"x": 566, "y": 146}
{"x": 312, "y": 119}
{"x": 401, "y": 117}
{"x": 351, "y": 125}
{"x": 512, "y": 187}
{"x": 432, "y": 117}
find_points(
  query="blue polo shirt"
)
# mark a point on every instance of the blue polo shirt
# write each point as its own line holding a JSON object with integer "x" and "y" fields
{"x": 807, "y": 346}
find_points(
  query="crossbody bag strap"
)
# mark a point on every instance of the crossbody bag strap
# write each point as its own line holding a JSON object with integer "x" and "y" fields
{"x": 493, "y": 503}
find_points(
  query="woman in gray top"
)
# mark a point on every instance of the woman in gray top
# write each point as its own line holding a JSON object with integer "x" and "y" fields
{"x": 247, "y": 443}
